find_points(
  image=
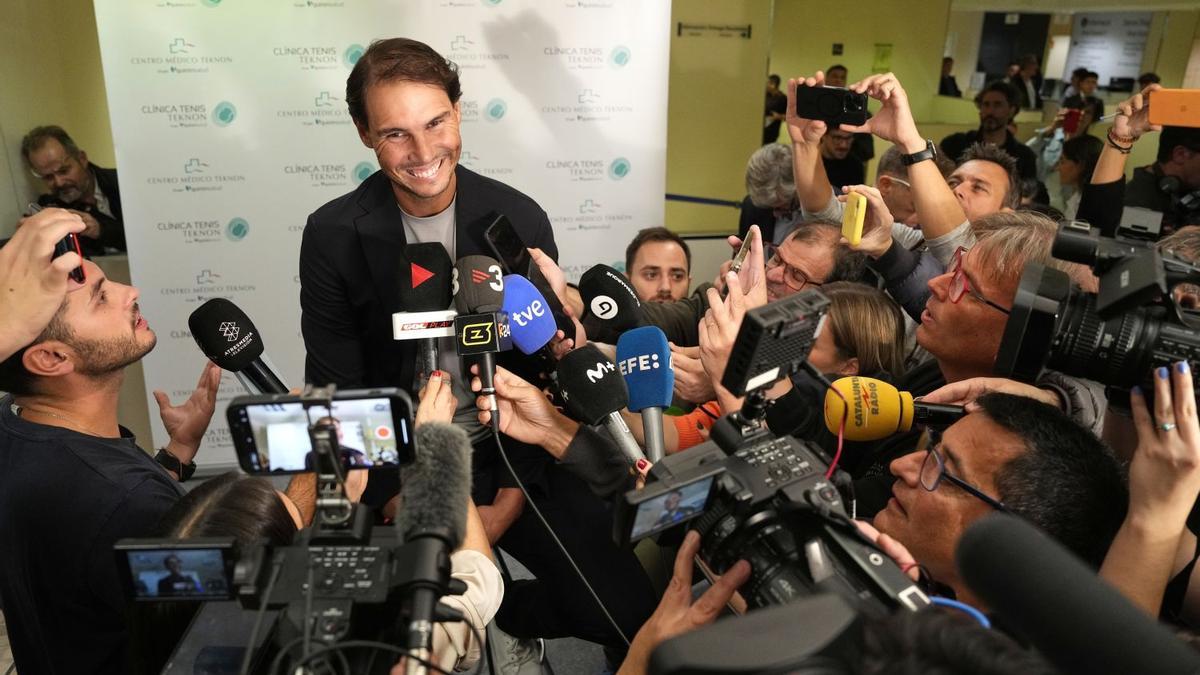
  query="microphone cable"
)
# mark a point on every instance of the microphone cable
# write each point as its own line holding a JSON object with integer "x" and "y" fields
{"x": 557, "y": 541}
{"x": 962, "y": 607}
{"x": 841, "y": 435}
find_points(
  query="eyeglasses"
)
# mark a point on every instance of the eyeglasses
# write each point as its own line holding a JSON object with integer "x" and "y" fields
{"x": 933, "y": 470}
{"x": 897, "y": 180}
{"x": 793, "y": 277}
{"x": 960, "y": 285}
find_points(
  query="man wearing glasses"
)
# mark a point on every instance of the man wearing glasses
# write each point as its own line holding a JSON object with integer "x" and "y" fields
{"x": 1014, "y": 454}
{"x": 78, "y": 185}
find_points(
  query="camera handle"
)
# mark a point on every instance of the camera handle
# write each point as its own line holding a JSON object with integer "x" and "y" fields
{"x": 337, "y": 519}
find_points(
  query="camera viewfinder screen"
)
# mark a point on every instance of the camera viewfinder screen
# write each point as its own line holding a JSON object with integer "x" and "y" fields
{"x": 178, "y": 574}
{"x": 366, "y": 434}
{"x": 672, "y": 508}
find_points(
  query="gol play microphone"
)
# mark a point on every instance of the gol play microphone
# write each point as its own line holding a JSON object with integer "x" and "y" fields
{"x": 644, "y": 358}
{"x": 878, "y": 410}
{"x": 594, "y": 393}
{"x": 229, "y": 339}
{"x": 431, "y": 523}
{"x": 481, "y": 328}
{"x": 1078, "y": 622}
{"x": 528, "y": 314}
{"x": 610, "y": 304}
{"x": 425, "y": 297}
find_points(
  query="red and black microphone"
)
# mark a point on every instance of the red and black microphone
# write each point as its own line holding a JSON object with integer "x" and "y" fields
{"x": 425, "y": 296}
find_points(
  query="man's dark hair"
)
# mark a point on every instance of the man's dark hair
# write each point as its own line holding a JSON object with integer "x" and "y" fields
{"x": 652, "y": 234}
{"x": 1084, "y": 150}
{"x": 836, "y": 66}
{"x": 1078, "y": 73}
{"x": 947, "y": 59}
{"x": 1028, "y": 60}
{"x": 848, "y": 265}
{"x": 891, "y": 163}
{"x": 38, "y": 136}
{"x": 1147, "y": 79}
{"x": 1090, "y": 75}
{"x": 1010, "y": 92}
{"x": 1173, "y": 137}
{"x": 774, "y": 79}
{"x": 907, "y": 643}
{"x": 991, "y": 153}
{"x": 1068, "y": 483}
{"x": 398, "y": 60}
{"x": 14, "y": 378}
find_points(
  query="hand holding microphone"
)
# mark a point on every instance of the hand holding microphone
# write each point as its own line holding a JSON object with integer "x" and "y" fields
{"x": 525, "y": 412}
{"x": 878, "y": 410}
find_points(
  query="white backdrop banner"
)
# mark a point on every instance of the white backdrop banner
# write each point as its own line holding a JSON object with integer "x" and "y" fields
{"x": 230, "y": 127}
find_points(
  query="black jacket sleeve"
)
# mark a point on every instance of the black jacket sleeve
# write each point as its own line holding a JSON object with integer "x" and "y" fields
{"x": 1101, "y": 205}
{"x": 332, "y": 339}
{"x": 594, "y": 457}
{"x": 680, "y": 320}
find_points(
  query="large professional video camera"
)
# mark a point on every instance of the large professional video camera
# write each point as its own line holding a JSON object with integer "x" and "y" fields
{"x": 342, "y": 579}
{"x": 769, "y": 500}
{"x": 1116, "y": 336}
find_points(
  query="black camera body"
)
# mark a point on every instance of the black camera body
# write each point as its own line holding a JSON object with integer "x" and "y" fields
{"x": 832, "y": 105}
{"x": 1117, "y": 336}
{"x": 764, "y": 499}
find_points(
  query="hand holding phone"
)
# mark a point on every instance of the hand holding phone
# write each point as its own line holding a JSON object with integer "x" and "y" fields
{"x": 1175, "y": 107}
{"x": 832, "y": 105}
{"x": 1071, "y": 120}
{"x": 740, "y": 258}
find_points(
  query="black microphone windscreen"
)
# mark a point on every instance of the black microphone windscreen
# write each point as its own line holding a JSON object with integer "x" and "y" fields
{"x": 434, "y": 489}
{"x": 610, "y": 303}
{"x": 1080, "y": 623}
{"x": 425, "y": 277}
{"x": 590, "y": 384}
{"x": 480, "y": 284}
{"x": 225, "y": 334}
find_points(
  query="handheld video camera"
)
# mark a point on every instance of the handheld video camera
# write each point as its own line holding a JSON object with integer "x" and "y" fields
{"x": 1116, "y": 337}
{"x": 764, "y": 499}
{"x": 342, "y": 578}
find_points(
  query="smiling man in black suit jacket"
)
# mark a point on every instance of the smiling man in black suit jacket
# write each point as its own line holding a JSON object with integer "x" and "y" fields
{"x": 403, "y": 97}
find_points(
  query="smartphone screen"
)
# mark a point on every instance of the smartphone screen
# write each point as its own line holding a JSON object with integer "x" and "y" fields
{"x": 510, "y": 250}
{"x": 154, "y": 572}
{"x": 273, "y": 438}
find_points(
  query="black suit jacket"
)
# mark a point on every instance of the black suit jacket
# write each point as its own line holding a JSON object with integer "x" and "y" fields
{"x": 112, "y": 230}
{"x": 350, "y": 258}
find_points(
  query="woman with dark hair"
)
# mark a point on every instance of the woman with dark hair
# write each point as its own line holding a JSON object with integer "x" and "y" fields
{"x": 1075, "y": 168}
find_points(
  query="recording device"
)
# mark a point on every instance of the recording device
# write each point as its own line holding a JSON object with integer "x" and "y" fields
{"x": 853, "y": 217}
{"x": 514, "y": 255}
{"x": 769, "y": 501}
{"x": 1175, "y": 107}
{"x": 340, "y": 580}
{"x": 610, "y": 304}
{"x": 270, "y": 433}
{"x": 739, "y": 258}
{"x": 528, "y": 314}
{"x": 229, "y": 339}
{"x": 1089, "y": 627}
{"x": 425, "y": 280}
{"x": 594, "y": 393}
{"x": 877, "y": 410}
{"x": 193, "y": 569}
{"x": 1117, "y": 336}
{"x": 644, "y": 359}
{"x": 1071, "y": 120}
{"x": 70, "y": 244}
{"x": 832, "y": 105}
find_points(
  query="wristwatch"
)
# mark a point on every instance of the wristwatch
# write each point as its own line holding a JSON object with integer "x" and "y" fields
{"x": 171, "y": 463}
{"x": 929, "y": 152}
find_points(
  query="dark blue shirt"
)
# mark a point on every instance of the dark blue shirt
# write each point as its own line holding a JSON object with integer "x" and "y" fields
{"x": 65, "y": 498}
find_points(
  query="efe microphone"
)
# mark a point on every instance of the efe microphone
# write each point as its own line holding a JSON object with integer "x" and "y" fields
{"x": 594, "y": 393}
{"x": 644, "y": 358}
{"x": 229, "y": 339}
{"x": 425, "y": 296}
{"x": 878, "y": 410}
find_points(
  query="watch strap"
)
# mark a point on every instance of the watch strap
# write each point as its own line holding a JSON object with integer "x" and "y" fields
{"x": 929, "y": 152}
{"x": 171, "y": 463}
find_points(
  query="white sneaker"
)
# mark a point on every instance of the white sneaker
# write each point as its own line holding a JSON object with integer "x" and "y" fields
{"x": 511, "y": 656}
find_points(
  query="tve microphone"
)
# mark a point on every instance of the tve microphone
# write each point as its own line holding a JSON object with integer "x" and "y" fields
{"x": 594, "y": 393}
{"x": 1078, "y": 622}
{"x": 431, "y": 522}
{"x": 482, "y": 328}
{"x": 528, "y": 314}
{"x": 610, "y": 304}
{"x": 229, "y": 339}
{"x": 644, "y": 358}
{"x": 878, "y": 410}
{"x": 425, "y": 296}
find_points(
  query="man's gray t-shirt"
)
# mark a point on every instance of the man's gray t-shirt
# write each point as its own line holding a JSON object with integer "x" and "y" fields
{"x": 439, "y": 228}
